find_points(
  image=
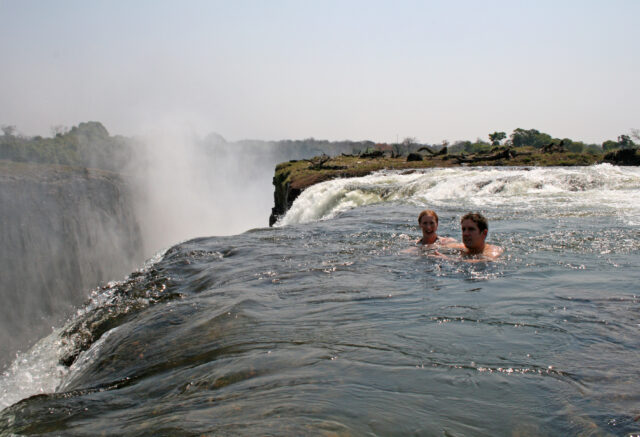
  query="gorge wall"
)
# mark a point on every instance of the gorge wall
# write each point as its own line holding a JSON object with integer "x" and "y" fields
{"x": 64, "y": 231}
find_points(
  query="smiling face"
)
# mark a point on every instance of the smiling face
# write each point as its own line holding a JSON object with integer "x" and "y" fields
{"x": 428, "y": 224}
{"x": 472, "y": 237}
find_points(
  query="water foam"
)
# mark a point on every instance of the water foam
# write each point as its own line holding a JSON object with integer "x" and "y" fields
{"x": 33, "y": 372}
{"x": 555, "y": 191}
{"x": 39, "y": 370}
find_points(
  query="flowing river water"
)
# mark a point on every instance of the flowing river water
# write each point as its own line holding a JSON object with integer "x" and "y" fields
{"x": 327, "y": 325}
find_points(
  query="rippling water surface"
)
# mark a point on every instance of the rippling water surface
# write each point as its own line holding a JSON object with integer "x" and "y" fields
{"x": 327, "y": 324}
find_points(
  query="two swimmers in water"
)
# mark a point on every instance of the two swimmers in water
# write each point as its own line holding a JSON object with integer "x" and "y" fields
{"x": 474, "y": 229}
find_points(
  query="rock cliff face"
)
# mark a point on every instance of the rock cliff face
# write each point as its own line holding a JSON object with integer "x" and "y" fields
{"x": 283, "y": 196}
{"x": 64, "y": 231}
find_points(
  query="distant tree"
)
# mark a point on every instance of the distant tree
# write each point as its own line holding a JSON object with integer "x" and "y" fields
{"x": 624, "y": 142}
{"x": 409, "y": 141}
{"x": 572, "y": 146}
{"x": 8, "y": 130}
{"x": 460, "y": 147}
{"x": 496, "y": 137}
{"x": 468, "y": 147}
{"x": 592, "y": 148}
{"x": 635, "y": 133}
{"x": 92, "y": 129}
{"x": 480, "y": 146}
{"x": 58, "y": 130}
{"x": 396, "y": 150}
{"x": 530, "y": 137}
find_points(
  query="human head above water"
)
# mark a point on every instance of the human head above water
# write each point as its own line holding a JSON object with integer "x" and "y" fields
{"x": 477, "y": 218}
{"x": 430, "y": 212}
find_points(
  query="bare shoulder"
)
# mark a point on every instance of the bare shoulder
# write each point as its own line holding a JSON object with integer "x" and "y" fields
{"x": 492, "y": 251}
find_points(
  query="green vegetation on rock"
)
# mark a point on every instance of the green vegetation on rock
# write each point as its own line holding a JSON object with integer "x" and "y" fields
{"x": 292, "y": 177}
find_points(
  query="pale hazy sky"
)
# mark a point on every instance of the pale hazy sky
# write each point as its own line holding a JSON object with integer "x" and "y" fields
{"x": 377, "y": 70}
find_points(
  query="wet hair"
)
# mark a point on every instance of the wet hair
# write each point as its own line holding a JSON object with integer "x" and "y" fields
{"x": 477, "y": 218}
{"x": 430, "y": 212}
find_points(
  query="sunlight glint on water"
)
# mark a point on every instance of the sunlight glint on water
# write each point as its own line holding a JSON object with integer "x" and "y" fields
{"x": 326, "y": 324}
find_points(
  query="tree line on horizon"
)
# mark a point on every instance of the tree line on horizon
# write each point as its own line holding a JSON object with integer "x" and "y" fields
{"x": 86, "y": 145}
{"x": 535, "y": 139}
{"x": 90, "y": 145}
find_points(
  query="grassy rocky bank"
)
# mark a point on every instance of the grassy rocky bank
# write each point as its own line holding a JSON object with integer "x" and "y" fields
{"x": 292, "y": 177}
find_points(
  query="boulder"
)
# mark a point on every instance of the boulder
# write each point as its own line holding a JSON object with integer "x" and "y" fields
{"x": 622, "y": 157}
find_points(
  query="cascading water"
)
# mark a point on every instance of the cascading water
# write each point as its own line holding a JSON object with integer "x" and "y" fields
{"x": 327, "y": 324}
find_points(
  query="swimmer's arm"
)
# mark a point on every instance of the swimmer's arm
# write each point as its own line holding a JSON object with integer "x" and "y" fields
{"x": 476, "y": 260}
{"x": 436, "y": 254}
{"x": 413, "y": 249}
{"x": 453, "y": 245}
{"x": 448, "y": 241}
{"x": 492, "y": 253}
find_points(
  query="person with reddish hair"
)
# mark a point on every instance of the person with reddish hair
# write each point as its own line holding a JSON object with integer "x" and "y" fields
{"x": 428, "y": 222}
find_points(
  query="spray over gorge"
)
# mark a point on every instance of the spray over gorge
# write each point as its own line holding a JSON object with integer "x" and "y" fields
{"x": 84, "y": 207}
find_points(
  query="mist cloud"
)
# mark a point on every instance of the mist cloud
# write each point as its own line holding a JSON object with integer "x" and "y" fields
{"x": 190, "y": 186}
